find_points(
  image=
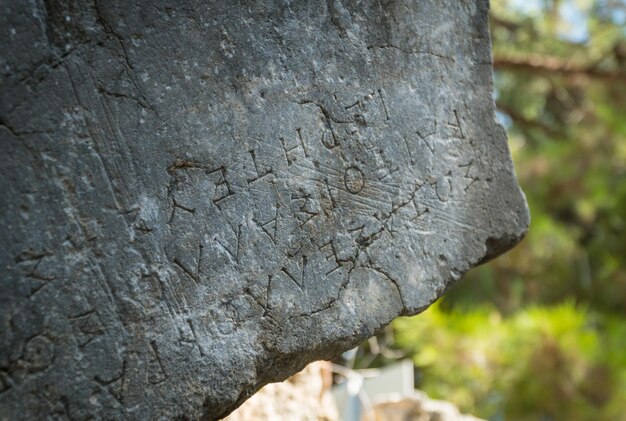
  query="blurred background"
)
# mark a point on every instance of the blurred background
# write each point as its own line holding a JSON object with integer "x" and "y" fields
{"x": 540, "y": 333}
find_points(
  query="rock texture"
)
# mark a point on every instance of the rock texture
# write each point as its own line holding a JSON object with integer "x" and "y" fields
{"x": 305, "y": 396}
{"x": 200, "y": 197}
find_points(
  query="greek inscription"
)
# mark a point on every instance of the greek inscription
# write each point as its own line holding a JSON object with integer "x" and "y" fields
{"x": 271, "y": 227}
{"x": 183, "y": 207}
{"x": 467, "y": 176}
{"x": 186, "y": 271}
{"x": 329, "y": 139}
{"x": 157, "y": 370}
{"x": 306, "y": 208}
{"x": 354, "y": 180}
{"x": 259, "y": 172}
{"x": 290, "y": 149}
{"x": 115, "y": 386}
{"x": 363, "y": 106}
{"x": 358, "y": 103}
{"x": 301, "y": 140}
{"x": 233, "y": 251}
{"x": 328, "y": 192}
{"x": 31, "y": 262}
{"x": 268, "y": 295}
{"x": 176, "y": 205}
{"x": 454, "y": 125}
{"x": 299, "y": 278}
{"x": 329, "y": 252}
{"x": 358, "y": 231}
{"x": 222, "y": 186}
{"x": 382, "y": 99}
{"x": 88, "y": 326}
{"x": 195, "y": 336}
{"x": 386, "y": 226}
{"x": 427, "y": 129}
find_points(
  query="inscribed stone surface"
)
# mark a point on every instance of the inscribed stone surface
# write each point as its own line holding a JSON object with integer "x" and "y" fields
{"x": 199, "y": 197}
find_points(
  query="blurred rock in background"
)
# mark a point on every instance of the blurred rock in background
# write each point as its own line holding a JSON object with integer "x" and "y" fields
{"x": 418, "y": 407}
{"x": 303, "y": 397}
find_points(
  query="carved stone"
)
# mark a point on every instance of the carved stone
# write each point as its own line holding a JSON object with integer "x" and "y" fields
{"x": 200, "y": 197}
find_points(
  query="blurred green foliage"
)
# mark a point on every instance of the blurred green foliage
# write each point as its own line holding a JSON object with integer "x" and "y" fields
{"x": 540, "y": 333}
{"x": 561, "y": 362}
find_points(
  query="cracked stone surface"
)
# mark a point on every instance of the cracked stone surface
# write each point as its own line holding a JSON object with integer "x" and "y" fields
{"x": 200, "y": 197}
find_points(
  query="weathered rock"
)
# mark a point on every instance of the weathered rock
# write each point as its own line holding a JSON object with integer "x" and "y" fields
{"x": 305, "y": 396}
{"x": 201, "y": 197}
{"x": 419, "y": 407}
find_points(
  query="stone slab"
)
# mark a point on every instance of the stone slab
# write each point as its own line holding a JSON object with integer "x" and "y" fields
{"x": 200, "y": 197}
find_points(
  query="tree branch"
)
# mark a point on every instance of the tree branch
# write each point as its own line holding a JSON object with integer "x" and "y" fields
{"x": 552, "y": 65}
{"x": 526, "y": 123}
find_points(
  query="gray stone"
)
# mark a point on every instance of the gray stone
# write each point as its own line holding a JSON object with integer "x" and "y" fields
{"x": 199, "y": 197}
